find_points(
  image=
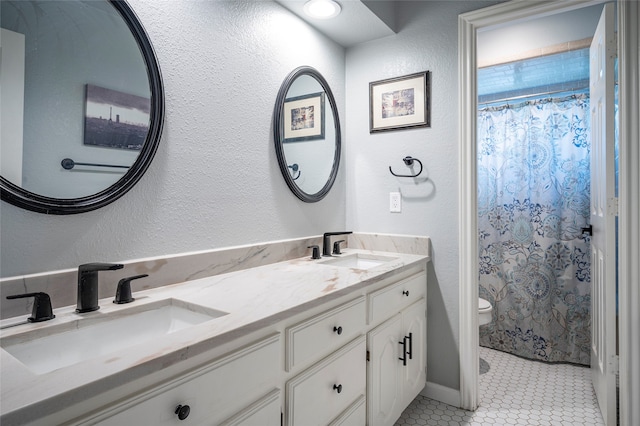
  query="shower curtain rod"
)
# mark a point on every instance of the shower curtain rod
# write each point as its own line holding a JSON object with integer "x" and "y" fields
{"x": 578, "y": 88}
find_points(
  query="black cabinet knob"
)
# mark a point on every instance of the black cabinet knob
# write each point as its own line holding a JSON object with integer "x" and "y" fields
{"x": 405, "y": 292}
{"x": 338, "y": 330}
{"x": 338, "y": 388}
{"x": 183, "y": 411}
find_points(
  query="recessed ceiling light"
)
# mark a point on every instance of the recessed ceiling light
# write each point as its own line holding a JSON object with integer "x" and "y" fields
{"x": 322, "y": 9}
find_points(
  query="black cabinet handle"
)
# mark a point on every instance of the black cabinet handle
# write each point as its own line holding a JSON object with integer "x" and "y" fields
{"x": 337, "y": 330}
{"x": 403, "y": 358}
{"x": 405, "y": 292}
{"x": 183, "y": 411}
{"x": 338, "y": 388}
{"x": 410, "y": 337}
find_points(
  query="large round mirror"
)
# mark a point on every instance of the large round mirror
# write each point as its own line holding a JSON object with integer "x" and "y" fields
{"x": 82, "y": 103}
{"x": 307, "y": 134}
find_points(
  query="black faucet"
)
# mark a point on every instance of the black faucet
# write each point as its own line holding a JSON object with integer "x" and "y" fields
{"x": 88, "y": 284}
{"x": 326, "y": 241}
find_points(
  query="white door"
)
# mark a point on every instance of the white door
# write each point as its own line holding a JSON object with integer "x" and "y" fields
{"x": 603, "y": 211}
{"x": 384, "y": 389}
{"x": 414, "y": 321}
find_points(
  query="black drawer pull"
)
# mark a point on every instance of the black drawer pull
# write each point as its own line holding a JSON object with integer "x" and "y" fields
{"x": 183, "y": 411}
{"x": 338, "y": 330}
{"x": 410, "y": 353}
{"x": 403, "y": 358}
{"x": 338, "y": 388}
{"x": 405, "y": 292}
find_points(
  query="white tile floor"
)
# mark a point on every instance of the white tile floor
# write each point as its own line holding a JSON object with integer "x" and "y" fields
{"x": 517, "y": 391}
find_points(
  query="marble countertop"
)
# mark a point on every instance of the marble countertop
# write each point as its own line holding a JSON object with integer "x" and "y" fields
{"x": 254, "y": 298}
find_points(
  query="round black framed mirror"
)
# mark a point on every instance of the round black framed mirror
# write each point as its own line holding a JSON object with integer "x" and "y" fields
{"x": 307, "y": 134}
{"x": 93, "y": 104}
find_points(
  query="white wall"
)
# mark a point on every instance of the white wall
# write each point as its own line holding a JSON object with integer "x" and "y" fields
{"x": 427, "y": 40}
{"x": 215, "y": 180}
{"x": 505, "y": 41}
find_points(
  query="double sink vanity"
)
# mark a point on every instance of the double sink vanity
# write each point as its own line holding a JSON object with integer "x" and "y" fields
{"x": 270, "y": 334}
{"x": 336, "y": 340}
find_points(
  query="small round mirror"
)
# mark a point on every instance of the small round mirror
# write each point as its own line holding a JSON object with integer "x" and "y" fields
{"x": 307, "y": 134}
{"x": 83, "y": 111}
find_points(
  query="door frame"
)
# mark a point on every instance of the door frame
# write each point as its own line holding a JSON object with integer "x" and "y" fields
{"x": 629, "y": 184}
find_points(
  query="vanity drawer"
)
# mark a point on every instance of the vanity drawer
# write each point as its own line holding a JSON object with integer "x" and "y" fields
{"x": 395, "y": 297}
{"x": 324, "y": 391}
{"x": 265, "y": 412}
{"x": 316, "y": 337}
{"x": 212, "y": 393}
{"x": 355, "y": 415}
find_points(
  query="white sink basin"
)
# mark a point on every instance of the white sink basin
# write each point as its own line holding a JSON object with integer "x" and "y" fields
{"x": 50, "y": 348}
{"x": 359, "y": 261}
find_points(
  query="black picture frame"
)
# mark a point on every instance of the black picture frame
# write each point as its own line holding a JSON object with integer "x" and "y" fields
{"x": 304, "y": 118}
{"x": 400, "y": 103}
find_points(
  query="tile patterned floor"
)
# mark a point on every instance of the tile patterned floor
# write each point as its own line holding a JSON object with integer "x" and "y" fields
{"x": 515, "y": 391}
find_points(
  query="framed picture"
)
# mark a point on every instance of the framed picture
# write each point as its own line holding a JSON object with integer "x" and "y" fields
{"x": 400, "y": 103}
{"x": 115, "y": 119}
{"x": 304, "y": 118}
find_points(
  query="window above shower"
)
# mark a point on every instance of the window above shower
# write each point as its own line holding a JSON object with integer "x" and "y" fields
{"x": 555, "y": 73}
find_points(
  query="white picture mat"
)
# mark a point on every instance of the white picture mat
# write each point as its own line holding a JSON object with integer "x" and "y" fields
{"x": 316, "y": 130}
{"x": 418, "y": 84}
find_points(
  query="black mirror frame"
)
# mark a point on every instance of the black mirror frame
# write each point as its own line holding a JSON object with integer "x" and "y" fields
{"x": 278, "y": 134}
{"x": 20, "y": 197}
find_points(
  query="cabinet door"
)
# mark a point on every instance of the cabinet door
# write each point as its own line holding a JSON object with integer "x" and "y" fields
{"x": 414, "y": 374}
{"x": 384, "y": 390}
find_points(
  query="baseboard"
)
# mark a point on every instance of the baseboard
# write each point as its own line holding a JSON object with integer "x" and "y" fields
{"x": 441, "y": 393}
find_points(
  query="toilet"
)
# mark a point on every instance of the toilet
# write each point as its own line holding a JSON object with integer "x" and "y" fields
{"x": 484, "y": 311}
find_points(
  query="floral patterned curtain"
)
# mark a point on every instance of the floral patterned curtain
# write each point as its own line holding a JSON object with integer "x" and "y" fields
{"x": 533, "y": 200}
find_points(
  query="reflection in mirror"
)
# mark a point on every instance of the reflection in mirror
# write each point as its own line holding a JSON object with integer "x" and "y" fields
{"x": 307, "y": 134}
{"x": 84, "y": 114}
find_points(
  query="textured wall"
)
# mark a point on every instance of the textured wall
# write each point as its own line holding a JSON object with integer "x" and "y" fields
{"x": 427, "y": 40}
{"x": 215, "y": 181}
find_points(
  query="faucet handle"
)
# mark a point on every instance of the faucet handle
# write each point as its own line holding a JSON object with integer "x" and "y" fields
{"x": 315, "y": 252}
{"x": 93, "y": 267}
{"x": 123, "y": 292}
{"x": 336, "y": 247}
{"x": 41, "y": 306}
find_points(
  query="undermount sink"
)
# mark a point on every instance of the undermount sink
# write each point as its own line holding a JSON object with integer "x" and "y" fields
{"x": 50, "y": 348}
{"x": 359, "y": 261}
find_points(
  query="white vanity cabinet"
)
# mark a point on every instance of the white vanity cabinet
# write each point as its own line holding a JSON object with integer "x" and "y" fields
{"x": 359, "y": 358}
{"x": 396, "y": 371}
{"x": 238, "y": 389}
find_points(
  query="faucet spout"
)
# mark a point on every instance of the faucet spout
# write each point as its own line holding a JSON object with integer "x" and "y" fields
{"x": 88, "y": 284}
{"x": 326, "y": 241}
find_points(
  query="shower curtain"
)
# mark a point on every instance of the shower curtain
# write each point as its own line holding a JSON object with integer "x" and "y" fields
{"x": 533, "y": 200}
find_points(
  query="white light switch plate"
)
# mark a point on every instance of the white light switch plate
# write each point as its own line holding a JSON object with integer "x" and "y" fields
{"x": 395, "y": 202}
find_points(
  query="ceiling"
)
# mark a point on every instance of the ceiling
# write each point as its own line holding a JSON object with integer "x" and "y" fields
{"x": 359, "y": 21}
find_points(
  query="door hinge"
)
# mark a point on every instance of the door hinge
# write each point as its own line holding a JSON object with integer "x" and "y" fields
{"x": 614, "y": 364}
{"x": 612, "y": 206}
{"x": 368, "y": 356}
